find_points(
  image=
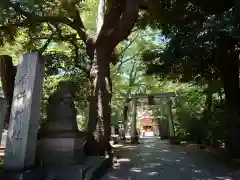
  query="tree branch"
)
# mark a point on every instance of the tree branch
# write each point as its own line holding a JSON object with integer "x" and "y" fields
{"x": 149, "y": 4}
{"x": 123, "y": 27}
{"x": 44, "y": 47}
{"x": 72, "y": 10}
{"x": 17, "y": 8}
{"x": 126, "y": 23}
{"x": 131, "y": 42}
{"x": 124, "y": 61}
{"x": 31, "y": 18}
{"x": 112, "y": 15}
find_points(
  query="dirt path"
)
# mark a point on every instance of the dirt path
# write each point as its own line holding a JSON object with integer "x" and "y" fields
{"x": 155, "y": 159}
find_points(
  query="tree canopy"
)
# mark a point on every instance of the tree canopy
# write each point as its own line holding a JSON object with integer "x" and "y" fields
{"x": 197, "y": 35}
{"x": 153, "y": 46}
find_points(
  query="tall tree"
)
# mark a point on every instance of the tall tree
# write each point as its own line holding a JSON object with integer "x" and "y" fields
{"x": 8, "y": 73}
{"x": 61, "y": 20}
{"x": 203, "y": 46}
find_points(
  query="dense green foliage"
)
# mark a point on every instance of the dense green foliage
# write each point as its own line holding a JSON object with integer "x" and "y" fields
{"x": 193, "y": 124}
{"x": 191, "y": 48}
{"x": 202, "y": 48}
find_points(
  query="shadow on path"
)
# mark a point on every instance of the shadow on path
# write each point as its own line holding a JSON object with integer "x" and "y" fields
{"x": 155, "y": 159}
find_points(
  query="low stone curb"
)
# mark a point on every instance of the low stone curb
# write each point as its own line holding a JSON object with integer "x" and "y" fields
{"x": 36, "y": 174}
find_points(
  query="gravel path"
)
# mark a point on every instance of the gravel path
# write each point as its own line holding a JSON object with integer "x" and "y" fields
{"x": 155, "y": 159}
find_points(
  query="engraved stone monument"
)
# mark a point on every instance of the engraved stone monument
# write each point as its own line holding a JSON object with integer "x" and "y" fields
{"x": 58, "y": 136}
{"x": 25, "y": 113}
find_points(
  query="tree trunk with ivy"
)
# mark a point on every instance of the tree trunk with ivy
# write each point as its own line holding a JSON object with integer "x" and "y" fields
{"x": 100, "y": 108}
{"x": 114, "y": 23}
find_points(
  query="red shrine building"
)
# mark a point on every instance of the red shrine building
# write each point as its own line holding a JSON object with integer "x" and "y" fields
{"x": 147, "y": 123}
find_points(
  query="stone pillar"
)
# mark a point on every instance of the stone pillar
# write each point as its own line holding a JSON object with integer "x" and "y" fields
{"x": 157, "y": 127}
{"x": 170, "y": 119}
{"x": 164, "y": 127}
{"x": 125, "y": 120}
{"x": 25, "y": 113}
{"x": 134, "y": 136}
{"x": 112, "y": 130}
{"x": 3, "y": 111}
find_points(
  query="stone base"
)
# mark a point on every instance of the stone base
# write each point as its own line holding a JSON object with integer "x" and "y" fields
{"x": 35, "y": 173}
{"x": 114, "y": 138}
{"x": 164, "y": 137}
{"x": 65, "y": 172}
{"x": 60, "y": 144}
{"x": 59, "y": 150}
{"x": 174, "y": 140}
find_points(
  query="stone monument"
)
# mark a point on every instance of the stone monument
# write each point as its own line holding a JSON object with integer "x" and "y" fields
{"x": 58, "y": 136}
{"x": 3, "y": 111}
{"x": 25, "y": 113}
{"x": 61, "y": 113}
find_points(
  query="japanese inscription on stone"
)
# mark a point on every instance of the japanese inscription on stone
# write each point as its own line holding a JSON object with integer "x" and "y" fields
{"x": 19, "y": 102}
{"x": 25, "y": 113}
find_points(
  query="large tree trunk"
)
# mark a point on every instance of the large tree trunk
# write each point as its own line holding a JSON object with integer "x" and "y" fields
{"x": 95, "y": 124}
{"x": 104, "y": 100}
{"x": 7, "y": 73}
{"x": 229, "y": 73}
{"x": 230, "y": 77}
{"x": 113, "y": 26}
{"x": 100, "y": 107}
{"x": 206, "y": 115}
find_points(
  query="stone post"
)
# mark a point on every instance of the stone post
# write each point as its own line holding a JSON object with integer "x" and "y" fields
{"x": 125, "y": 120}
{"x": 164, "y": 127}
{"x": 170, "y": 119}
{"x": 134, "y": 136}
{"x": 158, "y": 125}
{"x": 25, "y": 113}
{"x": 112, "y": 130}
{"x": 3, "y": 111}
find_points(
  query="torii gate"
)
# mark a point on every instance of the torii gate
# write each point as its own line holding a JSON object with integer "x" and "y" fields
{"x": 166, "y": 96}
